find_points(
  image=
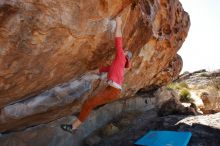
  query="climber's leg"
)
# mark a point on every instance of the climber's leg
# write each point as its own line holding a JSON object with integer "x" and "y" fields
{"x": 109, "y": 94}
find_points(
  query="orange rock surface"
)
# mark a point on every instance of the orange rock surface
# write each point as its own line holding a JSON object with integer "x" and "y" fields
{"x": 46, "y": 43}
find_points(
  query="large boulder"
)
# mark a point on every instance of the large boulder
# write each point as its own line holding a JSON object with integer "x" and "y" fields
{"x": 204, "y": 87}
{"x": 47, "y": 46}
{"x": 51, "y": 134}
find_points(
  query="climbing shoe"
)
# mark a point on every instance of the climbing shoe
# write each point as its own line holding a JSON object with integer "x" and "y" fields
{"x": 68, "y": 128}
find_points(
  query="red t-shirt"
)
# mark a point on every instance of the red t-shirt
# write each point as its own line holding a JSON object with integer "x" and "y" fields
{"x": 116, "y": 69}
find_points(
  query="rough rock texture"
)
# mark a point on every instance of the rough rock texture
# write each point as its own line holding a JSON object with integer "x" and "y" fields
{"x": 173, "y": 106}
{"x": 52, "y": 135}
{"x": 205, "y": 129}
{"x": 46, "y": 43}
{"x": 204, "y": 86}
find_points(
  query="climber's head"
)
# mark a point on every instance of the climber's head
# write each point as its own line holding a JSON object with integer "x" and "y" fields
{"x": 128, "y": 55}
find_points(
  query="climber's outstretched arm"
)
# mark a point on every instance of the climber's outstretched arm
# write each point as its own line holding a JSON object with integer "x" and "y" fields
{"x": 118, "y": 37}
{"x": 118, "y": 32}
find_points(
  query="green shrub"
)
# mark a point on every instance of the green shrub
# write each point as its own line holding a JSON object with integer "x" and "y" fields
{"x": 185, "y": 96}
{"x": 183, "y": 85}
{"x": 177, "y": 86}
{"x": 171, "y": 86}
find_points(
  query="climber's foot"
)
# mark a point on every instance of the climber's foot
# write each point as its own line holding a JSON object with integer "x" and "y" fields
{"x": 67, "y": 128}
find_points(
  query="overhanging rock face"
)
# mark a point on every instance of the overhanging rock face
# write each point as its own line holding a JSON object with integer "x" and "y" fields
{"x": 49, "y": 48}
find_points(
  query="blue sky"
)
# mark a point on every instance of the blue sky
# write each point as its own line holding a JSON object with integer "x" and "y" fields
{"x": 201, "y": 49}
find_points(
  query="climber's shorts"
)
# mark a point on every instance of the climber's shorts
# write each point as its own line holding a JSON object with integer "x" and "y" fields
{"x": 107, "y": 95}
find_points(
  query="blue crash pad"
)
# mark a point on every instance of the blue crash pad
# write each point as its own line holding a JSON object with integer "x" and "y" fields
{"x": 164, "y": 138}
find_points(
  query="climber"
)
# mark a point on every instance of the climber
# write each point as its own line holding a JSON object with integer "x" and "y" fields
{"x": 115, "y": 78}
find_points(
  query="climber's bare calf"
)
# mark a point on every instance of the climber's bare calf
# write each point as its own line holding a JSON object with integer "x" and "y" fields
{"x": 115, "y": 78}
